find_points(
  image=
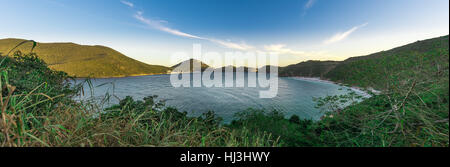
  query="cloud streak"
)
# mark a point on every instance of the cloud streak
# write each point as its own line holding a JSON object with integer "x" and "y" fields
{"x": 159, "y": 25}
{"x": 129, "y": 4}
{"x": 310, "y": 4}
{"x": 156, "y": 24}
{"x": 342, "y": 35}
{"x": 232, "y": 45}
{"x": 281, "y": 49}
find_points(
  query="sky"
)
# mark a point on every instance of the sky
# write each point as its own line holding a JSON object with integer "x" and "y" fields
{"x": 297, "y": 30}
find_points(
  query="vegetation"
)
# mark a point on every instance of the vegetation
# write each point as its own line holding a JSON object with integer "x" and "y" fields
{"x": 420, "y": 60}
{"x": 308, "y": 69}
{"x": 412, "y": 110}
{"x": 84, "y": 61}
{"x": 37, "y": 109}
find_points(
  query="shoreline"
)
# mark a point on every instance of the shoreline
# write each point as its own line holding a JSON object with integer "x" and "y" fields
{"x": 364, "y": 91}
{"x": 125, "y": 76}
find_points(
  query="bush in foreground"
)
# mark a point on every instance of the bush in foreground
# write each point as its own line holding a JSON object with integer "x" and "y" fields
{"x": 37, "y": 110}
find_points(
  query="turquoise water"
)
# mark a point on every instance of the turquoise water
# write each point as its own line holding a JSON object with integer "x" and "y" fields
{"x": 295, "y": 96}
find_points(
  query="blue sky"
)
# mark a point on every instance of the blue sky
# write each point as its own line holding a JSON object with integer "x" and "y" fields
{"x": 152, "y": 30}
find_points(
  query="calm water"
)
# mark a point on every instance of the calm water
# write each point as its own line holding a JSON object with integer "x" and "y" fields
{"x": 295, "y": 96}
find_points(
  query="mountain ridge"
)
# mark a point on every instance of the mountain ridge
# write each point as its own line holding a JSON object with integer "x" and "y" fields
{"x": 82, "y": 61}
{"x": 115, "y": 64}
{"x": 353, "y": 70}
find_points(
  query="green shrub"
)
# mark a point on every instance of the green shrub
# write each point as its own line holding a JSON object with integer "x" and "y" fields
{"x": 37, "y": 109}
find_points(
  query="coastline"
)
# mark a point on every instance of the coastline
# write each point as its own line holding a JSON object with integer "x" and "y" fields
{"x": 363, "y": 91}
{"x": 133, "y": 75}
{"x": 121, "y": 76}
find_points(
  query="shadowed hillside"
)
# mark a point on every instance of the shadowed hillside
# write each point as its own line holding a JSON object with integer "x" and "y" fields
{"x": 308, "y": 68}
{"x": 85, "y": 61}
{"x": 404, "y": 62}
{"x": 371, "y": 70}
{"x": 411, "y": 108}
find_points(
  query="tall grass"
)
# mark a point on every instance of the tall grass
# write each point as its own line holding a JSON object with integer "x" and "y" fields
{"x": 412, "y": 109}
{"x": 37, "y": 109}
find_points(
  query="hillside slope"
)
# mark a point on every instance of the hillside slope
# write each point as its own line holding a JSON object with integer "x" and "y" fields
{"x": 85, "y": 61}
{"x": 371, "y": 70}
{"x": 403, "y": 62}
{"x": 308, "y": 68}
{"x": 411, "y": 110}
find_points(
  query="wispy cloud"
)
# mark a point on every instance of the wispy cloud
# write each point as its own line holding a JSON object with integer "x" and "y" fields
{"x": 281, "y": 49}
{"x": 232, "y": 45}
{"x": 159, "y": 25}
{"x": 342, "y": 35}
{"x": 127, "y": 3}
{"x": 309, "y": 4}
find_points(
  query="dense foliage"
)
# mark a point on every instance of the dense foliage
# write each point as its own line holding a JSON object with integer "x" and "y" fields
{"x": 34, "y": 79}
{"x": 308, "y": 69}
{"x": 417, "y": 61}
{"x": 412, "y": 110}
{"x": 37, "y": 110}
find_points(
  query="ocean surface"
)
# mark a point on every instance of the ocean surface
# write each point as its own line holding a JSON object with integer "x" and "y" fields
{"x": 295, "y": 95}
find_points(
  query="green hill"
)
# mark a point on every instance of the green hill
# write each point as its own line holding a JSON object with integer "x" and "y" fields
{"x": 404, "y": 62}
{"x": 308, "y": 68}
{"x": 411, "y": 110}
{"x": 188, "y": 65}
{"x": 85, "y": 61}
{"x": 371, "y": 70}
